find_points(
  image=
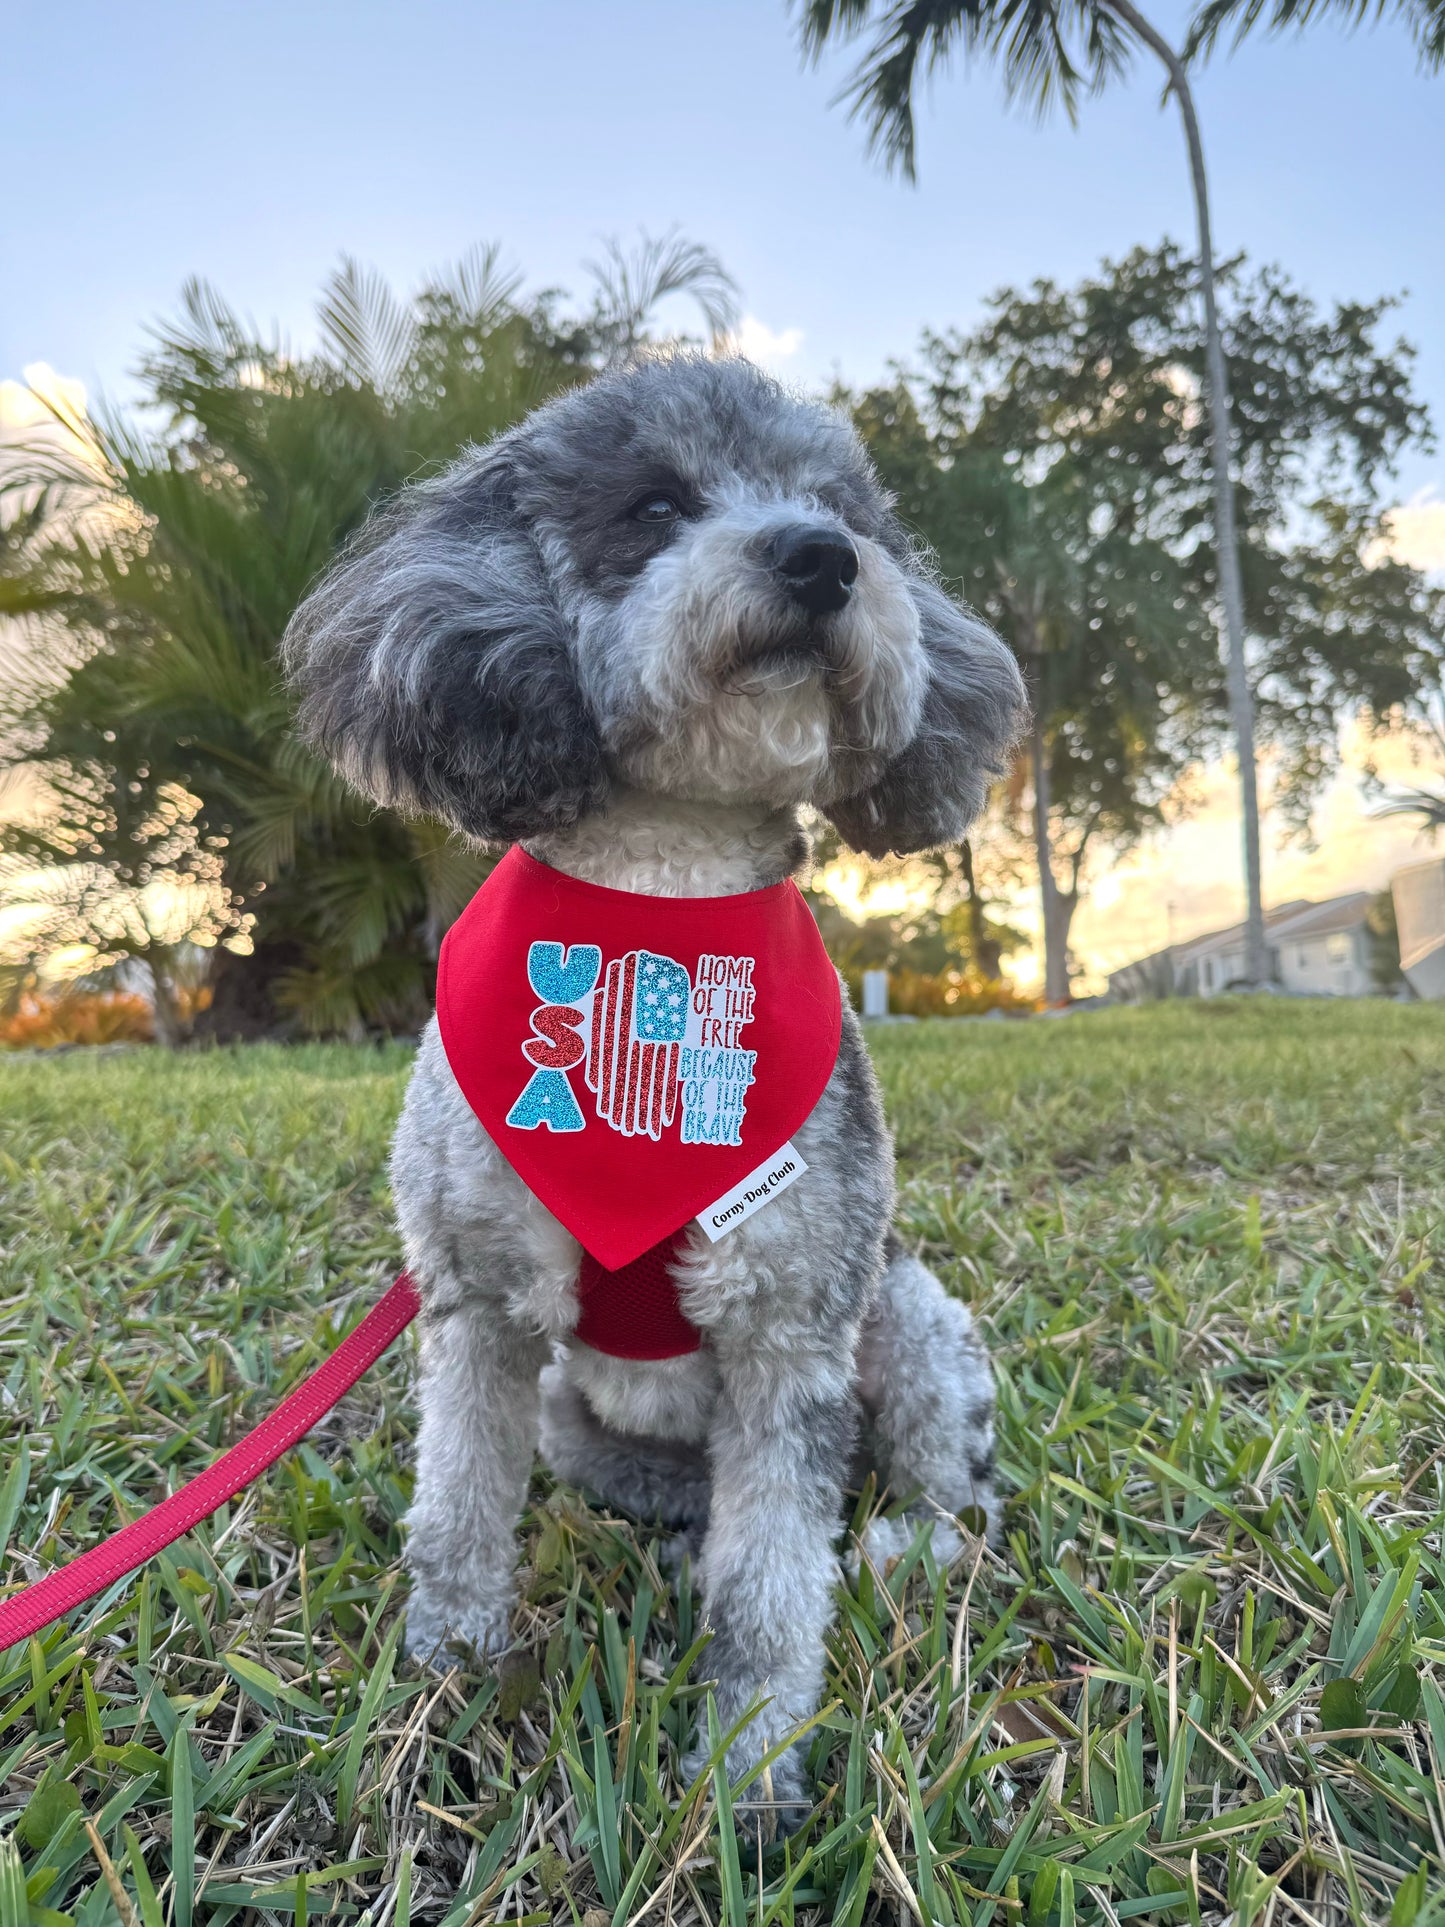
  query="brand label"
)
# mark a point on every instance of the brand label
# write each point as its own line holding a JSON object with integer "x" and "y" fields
{"x": 758, "y": 1188}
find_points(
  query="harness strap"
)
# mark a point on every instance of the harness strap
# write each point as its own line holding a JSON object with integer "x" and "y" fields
{"x": 635, "y": 1312}
{"x": 37, "y": 1605}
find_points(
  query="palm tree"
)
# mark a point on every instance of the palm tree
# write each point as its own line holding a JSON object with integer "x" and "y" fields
{"x": 154, "y": 573}
{"x": 1051, "y": 51}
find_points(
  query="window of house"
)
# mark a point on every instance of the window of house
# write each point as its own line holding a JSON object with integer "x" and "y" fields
{"x": 1208, "y": 973}
{"x": 1304, "y": 956}
{"x": 1337, "y": 947}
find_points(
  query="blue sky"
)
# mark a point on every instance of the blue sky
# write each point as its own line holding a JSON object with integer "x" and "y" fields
{"x": 253, "y": 144}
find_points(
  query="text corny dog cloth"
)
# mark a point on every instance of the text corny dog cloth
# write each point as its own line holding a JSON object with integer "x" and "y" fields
{"x": 638, "y": 1060}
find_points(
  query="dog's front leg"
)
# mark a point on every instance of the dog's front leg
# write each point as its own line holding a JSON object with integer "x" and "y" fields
{"x": 478, "y": 1433}
{"x": 780, "y": 1445}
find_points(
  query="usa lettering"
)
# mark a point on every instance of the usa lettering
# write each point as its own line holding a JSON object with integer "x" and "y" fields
{"x": 557, "y": 1043}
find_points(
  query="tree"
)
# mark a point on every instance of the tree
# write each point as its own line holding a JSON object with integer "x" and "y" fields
{"x": 154, "y": 572}
{"x": 1382, "y": 941}
{"x": 1050, "y": 50}
{"x": 1119, "y": 662}
{"x": 943, "y": 952}
{"x": 1057, "y": 459}
{"x": 117, "y": 875}
{"x": 954, "y": 926}
{"x": 985, "y": 941}
{"x": 1102, "y": 381}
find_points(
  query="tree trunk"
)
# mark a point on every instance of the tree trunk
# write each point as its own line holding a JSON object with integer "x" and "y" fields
{"x": 1226, "y": 542}
{"x": 165, "y": 1013}
{"x": 987, "y": 956}
{"x": 1066, "y": 902}
{"x": 243, "y": 1008}
{"x": 1058, "y": 913}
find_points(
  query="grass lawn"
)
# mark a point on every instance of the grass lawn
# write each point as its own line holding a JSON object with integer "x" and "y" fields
{"x": 1201, "y": 1679}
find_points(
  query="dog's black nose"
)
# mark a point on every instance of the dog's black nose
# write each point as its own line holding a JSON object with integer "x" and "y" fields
{"x": 817, "y": 567}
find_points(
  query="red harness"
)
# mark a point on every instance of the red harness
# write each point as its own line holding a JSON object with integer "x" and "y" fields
{"x": 634, "y": 1058}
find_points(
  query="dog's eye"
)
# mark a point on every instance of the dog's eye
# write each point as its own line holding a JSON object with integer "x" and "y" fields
{"x": 654, "y": 510}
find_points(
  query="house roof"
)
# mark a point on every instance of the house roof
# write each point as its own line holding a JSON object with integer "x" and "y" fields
{"x": 1287, "y": 922}
{"x": 1322, "y": 919}
{"x": 1167, "y": 954}
{"x": 1232, "y": 938}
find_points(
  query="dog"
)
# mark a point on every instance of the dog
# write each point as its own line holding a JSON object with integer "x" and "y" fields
{"x": 638, "y": 634}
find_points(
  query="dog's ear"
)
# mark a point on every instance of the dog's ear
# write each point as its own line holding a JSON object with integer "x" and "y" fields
{"x": 433, "y": 665}
{"x": 973, "y": 711}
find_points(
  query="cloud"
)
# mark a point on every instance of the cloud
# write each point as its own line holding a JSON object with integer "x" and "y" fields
{"x": 763, "y": 344}
{"x": 1415, "y": 533}
{"x": 46, "y": 410}
{"x": 39, "y": 398}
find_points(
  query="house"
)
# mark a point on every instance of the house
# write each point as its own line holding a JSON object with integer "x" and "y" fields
{"x": 1314, "y": 949}
{"x": 1419, "y": 894}
{"x": 1324, "y": 950}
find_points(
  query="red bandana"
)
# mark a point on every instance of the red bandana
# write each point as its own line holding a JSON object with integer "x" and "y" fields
{"x": 634, "y": 1057}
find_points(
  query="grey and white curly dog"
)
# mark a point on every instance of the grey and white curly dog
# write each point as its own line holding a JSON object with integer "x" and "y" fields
{"x": 636, "y": 634}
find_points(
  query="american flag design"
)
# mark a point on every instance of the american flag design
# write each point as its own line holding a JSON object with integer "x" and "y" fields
{"x": 639, "y": 1025}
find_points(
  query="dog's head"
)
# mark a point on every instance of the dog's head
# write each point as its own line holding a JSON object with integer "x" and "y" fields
{"x": 679, "y": 579}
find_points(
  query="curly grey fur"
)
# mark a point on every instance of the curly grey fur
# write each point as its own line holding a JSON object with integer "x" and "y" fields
{"x": 434, "y": 666}
{"x": 933, "y": 789}
{"x": 516, "y": 649}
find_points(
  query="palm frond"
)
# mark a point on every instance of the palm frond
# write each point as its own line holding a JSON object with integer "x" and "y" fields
{"x": 206, "y": 353}
{"x": 481, "y": 289}
{"x": 453, "y": 872}
{"x": 1050, "y": 52}
{"x": 209, "y": 329}
{"x": 367, "y": 328}
{"x": 1424, "y": 19}
{"x": 1427, "y": 806}
{"x": 631, "y": 285}
{"x": 823, "y": 20}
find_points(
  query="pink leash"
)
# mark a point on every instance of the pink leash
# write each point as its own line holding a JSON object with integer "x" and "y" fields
{"x": 33, "y": 1607}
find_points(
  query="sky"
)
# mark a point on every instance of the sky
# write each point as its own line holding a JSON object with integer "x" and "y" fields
{"x": 253, "y": 145}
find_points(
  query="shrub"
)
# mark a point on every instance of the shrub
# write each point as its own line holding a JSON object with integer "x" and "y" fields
{"x": 947, "y": 993}
{"x": 86, "y": 1017}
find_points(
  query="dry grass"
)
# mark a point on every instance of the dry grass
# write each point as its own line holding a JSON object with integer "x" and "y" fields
{"x": 1199, "y": 1682}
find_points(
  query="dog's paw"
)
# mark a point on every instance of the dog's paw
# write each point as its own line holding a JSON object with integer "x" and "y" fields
{"x": 684, "y": 1543}
{"x": 777, "y": 1802}
{"x": 435, "y": 1628}
{"x": 884, "y": 1540}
